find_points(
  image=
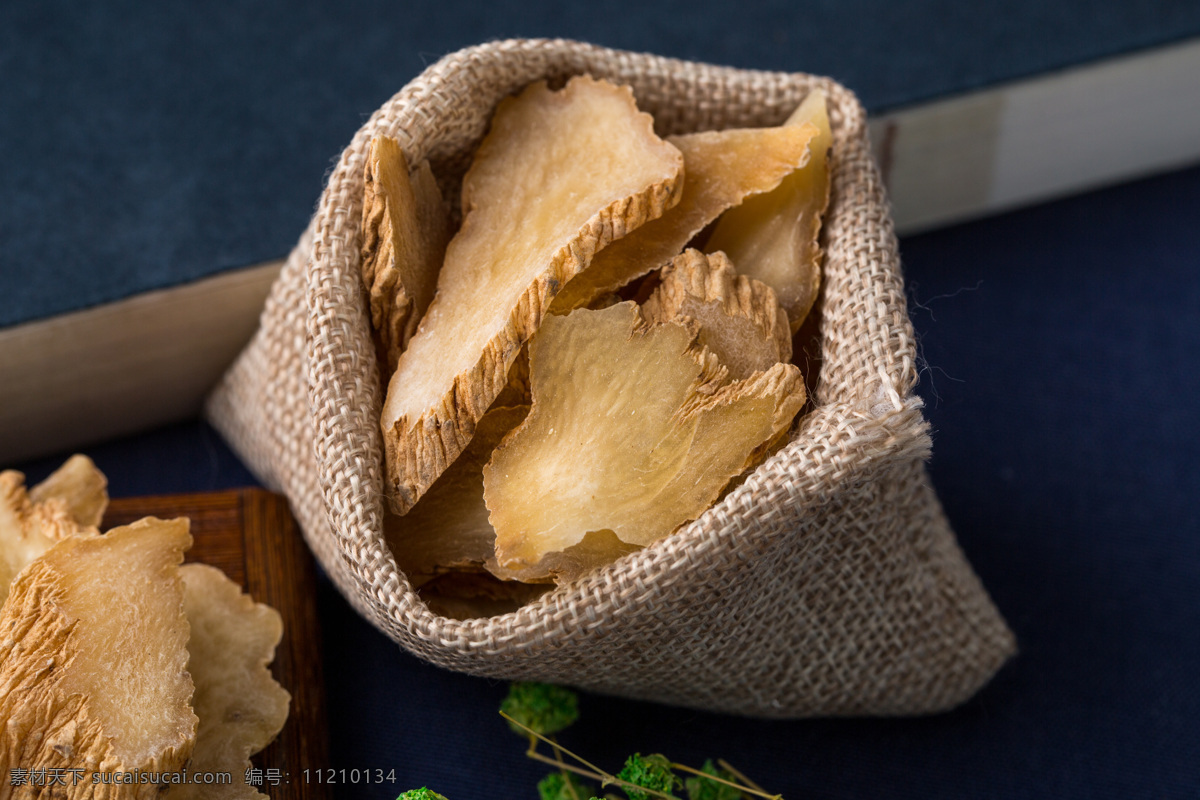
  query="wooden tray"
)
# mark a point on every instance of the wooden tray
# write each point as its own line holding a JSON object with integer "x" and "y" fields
{"x": 251, "y": 536}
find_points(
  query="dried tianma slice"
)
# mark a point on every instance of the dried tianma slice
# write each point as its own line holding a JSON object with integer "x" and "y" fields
{"x": 240, "y": 706}
{"x": 93, "y": 659}
{"x": 632, "y": 431}
{"x": 559, "y": 176}
{"x": 79, "y": 486}
{"x": 774, "y": 237}
{"x": 405, "y": 230}
{"x": 596, "y": 549}
{"x": 723, "y": 168}
{"x": 516, "y": 391}
{"x": 70, "y": 502}
{"x": 448, "y": 528}
{"x": 739, "y": 318}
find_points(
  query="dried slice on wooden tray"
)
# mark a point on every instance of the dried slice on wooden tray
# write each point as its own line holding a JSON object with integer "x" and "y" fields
{"x": 739, "y": 318}
{"x": 559, "y": 176}
{"x": 448, "y": 528}
{"x": 24, "y": 528}
{"x": 723, "y": 168}
{"x": 241, "y": 708}
{"x": 81, "y": 488}
{"x": 30, "y": 527}
{"x": 632, "y": 430}
{"x": 774, "y": 237}
{"x": 405, "y": 229}
{"x": 93, "y": 657}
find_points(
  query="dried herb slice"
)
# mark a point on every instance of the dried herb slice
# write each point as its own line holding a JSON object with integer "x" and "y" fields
{"x": 632, "y": 430}
{"x": 559, "y": 176}
{"x": 723, "y": 168}
{"x": 774, "y": 237}
{"x": 595, "y": 549}
{"x": 448, "y": 529}
{"x": 240, "y": 707}
{"x": 739, "y": 319}
{"x": 63, "y": 505}
{"x": 405, "y": 230}
{"x": 79, "y": 486}
{"x": 93, "y": 657}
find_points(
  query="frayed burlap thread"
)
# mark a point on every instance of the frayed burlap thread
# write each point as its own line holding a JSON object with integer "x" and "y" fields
{"x": 828, "y": 583}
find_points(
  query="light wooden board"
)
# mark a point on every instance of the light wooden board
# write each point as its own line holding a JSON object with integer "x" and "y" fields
{"x": 1042, "y": 138}
{"x": 76, "y": 379}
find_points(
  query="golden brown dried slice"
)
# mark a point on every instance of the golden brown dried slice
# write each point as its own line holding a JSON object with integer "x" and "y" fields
{"x": 93, "y": 658}
{"x": 23, "y": 528}
{"x": 596, "y": 549}
{"x": 723, "y": 168}
{"x": 241, "y": 708}
{"x": 448, "y": 528}
{"x": 632, "y": 430}
{"x": 79, "y": 486}
{"x": 774, "y": 237}
{"x": 739, "y": 319}
{"x": 516, "y": 391}
{"x": 559, "y": 175}
{"x": 29, "y": 528}
{"x": 405, "y": 230}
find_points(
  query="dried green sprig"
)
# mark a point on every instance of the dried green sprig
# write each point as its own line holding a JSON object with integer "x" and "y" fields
{"x": 541, "y": 707}
{"x": 420, "y": 794}
{"x": 651, "y": 772}
{"x": 642, "y": 777}
{"x": 700, "y": 787}
{"x": 554, "y": 708}
{"x": 564, "y": 786}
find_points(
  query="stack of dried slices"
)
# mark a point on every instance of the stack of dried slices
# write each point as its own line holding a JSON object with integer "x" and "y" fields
{"x": 119, "y": 667}
{"x": 601, "y": 349}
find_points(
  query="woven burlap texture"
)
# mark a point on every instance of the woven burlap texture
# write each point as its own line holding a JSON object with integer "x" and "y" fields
{"x": 828, "y": 583}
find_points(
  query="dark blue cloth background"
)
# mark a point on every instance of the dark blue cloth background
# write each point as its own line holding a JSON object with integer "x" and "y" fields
{"x": 145, "y": 145}
{"x": 1062, "y": 376}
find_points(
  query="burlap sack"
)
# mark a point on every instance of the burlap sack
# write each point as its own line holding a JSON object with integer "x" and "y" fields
{"x": 828, "y": 583}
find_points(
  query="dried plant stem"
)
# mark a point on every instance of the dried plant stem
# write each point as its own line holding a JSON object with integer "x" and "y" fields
{"x": 587, "y": 773}
{"x": 748, "y": 786}
{"x": 539, "y": 736}
{"x": 592, "y": 771}
{"x": 741, "y": 776}
{"x": 561, "y": 764}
